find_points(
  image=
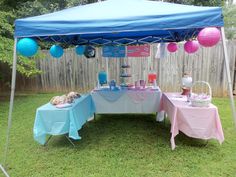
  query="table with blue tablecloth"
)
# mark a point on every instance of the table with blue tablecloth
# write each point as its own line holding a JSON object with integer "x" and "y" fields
{"x": 51, "y": 120}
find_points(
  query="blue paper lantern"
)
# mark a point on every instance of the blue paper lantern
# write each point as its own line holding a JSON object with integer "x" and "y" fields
{"x": 56, "y": 51}
{"x": 80, "y": 50}
{"x": 27, "y": 47}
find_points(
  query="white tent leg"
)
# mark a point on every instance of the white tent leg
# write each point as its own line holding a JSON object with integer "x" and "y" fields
{"x": 107, "y": 69}
{"x": 226, "y": 58}
{"x": 4, "y": 171}
{"x": 13, "y": 82}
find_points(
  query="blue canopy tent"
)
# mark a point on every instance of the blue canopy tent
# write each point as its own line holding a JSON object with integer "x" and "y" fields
{"x": 120, "y": 22}
{"x": 108, "y": 22}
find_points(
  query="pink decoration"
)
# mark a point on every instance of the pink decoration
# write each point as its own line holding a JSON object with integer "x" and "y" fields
{"x": 202, "y": 123}
{"x": 138, "y": 51}
{"x": 209, "y": 37}
{"x": 191, "y": 46}
{"x": 172, "y": 47}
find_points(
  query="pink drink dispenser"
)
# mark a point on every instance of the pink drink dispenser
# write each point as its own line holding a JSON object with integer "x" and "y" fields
{"x": 152, "y": 76}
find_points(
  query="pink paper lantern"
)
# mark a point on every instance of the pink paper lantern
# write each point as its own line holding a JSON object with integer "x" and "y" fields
{"x": 209, "y": 37}
{"x": 172, "y": 47}
{"x": 191, "y": 46}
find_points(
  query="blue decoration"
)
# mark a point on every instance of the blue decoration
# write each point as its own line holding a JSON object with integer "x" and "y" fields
{"x": 56, "y": 51}
{"x": 102, "y": 77}
{"x": 112, "y": 85}
{"x": 113, "y": 51}
{"x": 27, "y": 47}
{"x": 80, "y": 50}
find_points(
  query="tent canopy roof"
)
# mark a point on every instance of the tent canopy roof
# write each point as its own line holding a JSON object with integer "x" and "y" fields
{"x": 120, "y": 22}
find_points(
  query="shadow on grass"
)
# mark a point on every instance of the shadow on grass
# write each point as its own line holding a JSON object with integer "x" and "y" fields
{"x": 113, "y": 129}
{"x": 5, "y": 97}
{"x": 183, "y": 140}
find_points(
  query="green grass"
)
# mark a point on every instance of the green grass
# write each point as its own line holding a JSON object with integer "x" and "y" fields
{"x": 114, "y": 145}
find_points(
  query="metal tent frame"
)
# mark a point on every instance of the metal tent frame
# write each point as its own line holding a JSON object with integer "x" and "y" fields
{"x": 13, "y": 83}
{"x": 146, "y": 36}
{"x": 230, "y": 91}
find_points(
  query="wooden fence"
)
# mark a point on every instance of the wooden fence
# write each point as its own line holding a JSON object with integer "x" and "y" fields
{"x": 73, "y": 72}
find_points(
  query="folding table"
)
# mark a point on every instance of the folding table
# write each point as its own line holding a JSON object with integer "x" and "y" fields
{"x": 197, "y": 122}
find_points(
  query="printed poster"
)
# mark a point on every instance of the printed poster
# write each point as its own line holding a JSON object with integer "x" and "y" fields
{"x": 138, "y": 51}
{"x": 113, "y": 51}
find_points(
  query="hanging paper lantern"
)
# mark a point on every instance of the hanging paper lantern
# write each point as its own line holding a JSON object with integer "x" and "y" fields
{"x": 209, "y": 37}
{"x": 172, "y": 47}
{"x": 80, "y": 50}
{"x": 27, "y": 47}
{"x": 56, "y": 51}
{"x": 191, "y": 46}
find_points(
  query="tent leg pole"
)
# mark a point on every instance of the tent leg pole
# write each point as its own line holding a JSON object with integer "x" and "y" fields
{"x": 13, "y": 82}
{"x": 107, "y": 68}
{"x": 226, "y": 58}
{"x": 4, "y": 171}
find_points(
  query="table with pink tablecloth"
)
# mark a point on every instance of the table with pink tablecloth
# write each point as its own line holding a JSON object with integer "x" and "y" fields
{"x": 197, "y": 122}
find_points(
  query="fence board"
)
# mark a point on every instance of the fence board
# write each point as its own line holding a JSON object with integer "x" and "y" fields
{"x": 73, "y": 72}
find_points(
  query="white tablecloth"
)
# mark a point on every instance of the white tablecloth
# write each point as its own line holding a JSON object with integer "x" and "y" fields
{"x": 127, "y": 101}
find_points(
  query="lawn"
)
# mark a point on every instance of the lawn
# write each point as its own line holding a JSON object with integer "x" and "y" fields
{"x": 114, "y": 145}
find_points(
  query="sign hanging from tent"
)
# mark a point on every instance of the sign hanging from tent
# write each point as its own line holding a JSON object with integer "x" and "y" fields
{"x": 113, "y": 51}
{"x": 138, "y": 51}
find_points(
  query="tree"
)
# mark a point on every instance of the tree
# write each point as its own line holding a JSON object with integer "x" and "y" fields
{"x": 9, "y": 11}
{"x": 24, "y": 65}
{"x": 199, "y": 2}
{"x": 229, "y": 12}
